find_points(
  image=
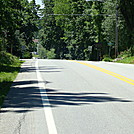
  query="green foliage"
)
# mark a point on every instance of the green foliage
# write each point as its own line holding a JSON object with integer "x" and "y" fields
{"x": 125, "y": 54}
{"x": 27, "y": 55}
{"x": 127, "y": 60}
{"x": 107, "y": 58}
{"x": 110, "y": 20}
{"x": 9, "y": 67}
{"x": 125, "y": 57}
{"x": 42, "y": 51}
{"x": 46, "y": 54}
{"x": 18, "y": 24}
{"x": 51, "y": 34}
{"x": 61, "y": 7}
{"x": 127, "y": 9}
{"x": 7, "y": 58}
{"x": 79, "y": 24}
{"x": 51, "y": 54}
{"x": 119, "y": 12}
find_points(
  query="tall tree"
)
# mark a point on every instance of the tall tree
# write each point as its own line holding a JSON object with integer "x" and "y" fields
{"x": 127, "y": 10}
{"x": 17, "y": 24}
{"x": 51, "y": 34}
{"x": 77, "y": 24}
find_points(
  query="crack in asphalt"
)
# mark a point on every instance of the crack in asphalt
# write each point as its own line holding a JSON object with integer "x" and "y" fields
{"x": 20, "y": 122}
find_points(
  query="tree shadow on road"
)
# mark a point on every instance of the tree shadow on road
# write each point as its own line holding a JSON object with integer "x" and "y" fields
{"x": 28, "y": 98}
{"x": 57, "y": 98}
{"x": 46, "y": 69}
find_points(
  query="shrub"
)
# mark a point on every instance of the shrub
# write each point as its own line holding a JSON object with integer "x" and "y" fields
{"x": 107, "y": 58}
{"x": 27, "y": 55}
{"x": 9, "y": 67}
{"x": 124, "y": 54}
{"x": 7, "y": 58}
{"x": 51, "y": 54}
{"x": 128, "y": 60}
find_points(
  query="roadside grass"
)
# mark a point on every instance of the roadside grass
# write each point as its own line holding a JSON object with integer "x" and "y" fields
{"x": 127, "y": 60}
{"x": 8, "y": 73}
{"x": 125, "y": 57}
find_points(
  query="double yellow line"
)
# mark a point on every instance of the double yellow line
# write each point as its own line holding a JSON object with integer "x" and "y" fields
{"x": 123, "y": 78}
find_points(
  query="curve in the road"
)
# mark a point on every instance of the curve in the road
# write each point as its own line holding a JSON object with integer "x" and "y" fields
{"x": 123, "y": 78}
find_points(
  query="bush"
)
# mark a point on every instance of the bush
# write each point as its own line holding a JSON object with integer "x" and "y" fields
{"x": 107, "y": 58}
{"x": 9, "y": 67}
{"x": 7, "y": 58}
{"x": 51, "y": 54}
{"x": 124, "y": 54}
{"x": 128, "y": 60}
{"x": 27, "y": 55}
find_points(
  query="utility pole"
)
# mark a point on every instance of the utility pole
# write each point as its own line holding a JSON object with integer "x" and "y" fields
{"x": 116, "y": 32}
{"x": 116, "y": 27}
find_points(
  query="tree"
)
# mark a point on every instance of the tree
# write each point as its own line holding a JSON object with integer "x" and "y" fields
{"x": 51, "y": 34}
{"x": 80, "y": 29}
{"x": 72, "y": 26}
{"x": 127, "y": 10}
{"x": 125, "y": 23}
{"x": 17, "y": 24}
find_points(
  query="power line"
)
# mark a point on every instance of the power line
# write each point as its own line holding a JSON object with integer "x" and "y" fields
{"x": 78, "y": 15}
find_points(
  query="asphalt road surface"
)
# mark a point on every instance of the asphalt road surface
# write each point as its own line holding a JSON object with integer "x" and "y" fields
{"x": 70, "y": 97}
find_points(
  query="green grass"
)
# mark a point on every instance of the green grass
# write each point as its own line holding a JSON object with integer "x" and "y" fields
{"x": 8, "y": 73}
{"x": 127, "y": 60}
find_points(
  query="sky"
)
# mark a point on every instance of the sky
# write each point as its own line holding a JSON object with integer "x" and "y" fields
{"x": 38, "y": 2}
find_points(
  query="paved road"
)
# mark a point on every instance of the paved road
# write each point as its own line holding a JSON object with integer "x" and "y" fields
{"x": 70, "y": 97}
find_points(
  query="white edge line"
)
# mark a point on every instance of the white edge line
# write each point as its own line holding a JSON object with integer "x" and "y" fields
{"x": 47, "y": 110}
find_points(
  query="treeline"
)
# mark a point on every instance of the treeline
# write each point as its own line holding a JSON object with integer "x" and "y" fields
{"x": 80, "y": 29}
{"x": 18, "y": 24}
{"x": 67, "y": 29}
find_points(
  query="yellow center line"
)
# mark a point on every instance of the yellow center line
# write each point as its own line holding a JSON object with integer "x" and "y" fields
{"x": 123, "y": 78}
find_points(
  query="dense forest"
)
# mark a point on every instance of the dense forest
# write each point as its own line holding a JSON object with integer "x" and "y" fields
{"x": 67, "y": 29}
{"x": 18, "y": 26}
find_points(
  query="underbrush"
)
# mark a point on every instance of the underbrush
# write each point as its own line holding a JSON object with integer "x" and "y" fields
{"x": 127, "y": 60}
{"x": 126, "y": 57}
{"x": 123, "y": 57}
{"x": 107, "y": 58}
{"x": 9, "y": 68}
